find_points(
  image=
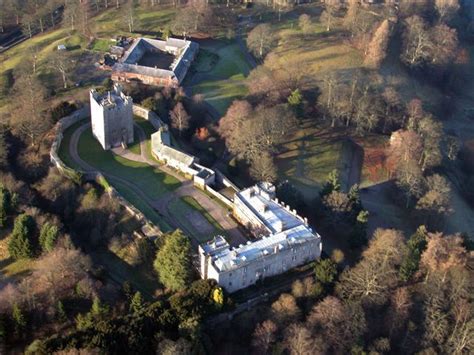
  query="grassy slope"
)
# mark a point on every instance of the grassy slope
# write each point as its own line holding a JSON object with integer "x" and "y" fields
{"x": 222, "y": 82}
{"x": 147, "y": 178}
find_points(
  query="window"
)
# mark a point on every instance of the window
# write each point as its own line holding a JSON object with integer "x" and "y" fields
{"x": 245, "y": 269}
{"x": 293, "y": 257}
{"x": 230, "y": 274}
{"x": 230, "y": 283}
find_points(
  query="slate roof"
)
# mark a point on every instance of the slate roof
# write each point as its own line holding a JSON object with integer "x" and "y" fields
{"x": 178, "y": 69}
{"x": 161, "y": 146}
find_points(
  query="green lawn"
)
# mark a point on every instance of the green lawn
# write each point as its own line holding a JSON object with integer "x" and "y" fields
{"x": 317, "y": 52}
{"x": 135, "y": 146}
{"x": 219, "y": 73}
{"x": 138, "y": 202}
{"x": 149, "y": 130}
{"x": 109, "y": 24}
{"x": 101, "y": 45}
{"x": 63, "y": 150}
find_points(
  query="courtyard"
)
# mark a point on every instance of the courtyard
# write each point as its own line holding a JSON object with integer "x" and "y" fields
{"x": 164, "y": 196}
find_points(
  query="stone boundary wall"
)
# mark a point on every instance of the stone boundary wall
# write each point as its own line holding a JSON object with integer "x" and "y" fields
{"x": 148, "y": 115}
{"x": 222, "y": 179}
{"x": 219, "y": 196}
{"x": 63, "y": 124}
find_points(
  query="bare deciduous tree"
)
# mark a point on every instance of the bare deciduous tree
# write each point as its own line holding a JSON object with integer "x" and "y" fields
{"x": 179, "y": 118}
{"x": 263, "y": 168}
{"x": 260, "y": 40}
{"x": 331, "y": 7}
{"x": 437, "y": 197}
{"x": 443, "y": 253}
{"x": 61, "y": 62}
{"x": 304, "y": 23}
{"x": 30, "y": 118}
{"x": 263, "y": 336}
{"x": 378, "y": 45}
{"x": 446, "y": 9}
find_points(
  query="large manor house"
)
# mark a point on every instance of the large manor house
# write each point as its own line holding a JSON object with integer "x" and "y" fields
{"x": 285, "y": 240}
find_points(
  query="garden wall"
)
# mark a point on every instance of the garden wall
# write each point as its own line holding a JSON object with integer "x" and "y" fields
{"x": 148, "y": 115}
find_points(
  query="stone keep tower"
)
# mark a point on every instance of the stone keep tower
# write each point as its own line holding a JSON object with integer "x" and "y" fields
{"x": 112, "y": 117}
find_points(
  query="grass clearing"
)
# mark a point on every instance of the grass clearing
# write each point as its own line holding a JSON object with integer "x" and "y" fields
{"x": 10, "y": 268}
{"x": 146, "y": 178}
{"x": 109, "y": 24}
{"x": 308, "y": 157}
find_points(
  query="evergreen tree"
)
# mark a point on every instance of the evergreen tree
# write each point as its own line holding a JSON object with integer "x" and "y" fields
{"x": 137, "y": 303}
{"x": 48, "y": 236}
{"x": 326, "y": 271}
{"x": 20, "y": 245}
{"x": 359, "y": 233}
{"x": 5, "y": 205}
{"x": 19, "y": 320}
{"x": 98, "y": 310}
{"x": 332, "y": 184}
{"x": 295, "y": 100}
{"x": 416, "y": 246}
{"x": 61, "y": 312}
{"x": 4, "y": 148}
{"x": 173, "y": 261}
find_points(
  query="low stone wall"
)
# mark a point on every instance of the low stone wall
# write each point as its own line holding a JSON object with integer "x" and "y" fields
{"x": 95, "y": 176}
{"x": 222, "y": 179}
{"x": 63, "y": 124}
{"x": 148, "y": 115}
{"x": 219, "y": 196}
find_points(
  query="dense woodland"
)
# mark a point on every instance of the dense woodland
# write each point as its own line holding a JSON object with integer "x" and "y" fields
{"x": 382, "y": 292}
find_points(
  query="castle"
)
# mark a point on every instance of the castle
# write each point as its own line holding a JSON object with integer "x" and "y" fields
{"x": 286, "y": 241}
{"x": 112, "y": 117}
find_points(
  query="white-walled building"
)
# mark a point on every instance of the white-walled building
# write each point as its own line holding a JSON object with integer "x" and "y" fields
{"x": 112, "y": 117}
{"x": 163, "y": 150}
{"x": 287, "y": 241}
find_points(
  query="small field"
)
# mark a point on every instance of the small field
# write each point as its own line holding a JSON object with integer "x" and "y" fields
{"x": 149, "y": 179}
{"x": 219, "y": 73}
{"x": 11, "y": 269}
{"x": 315, "y": 52}
{"x": 310, "y": 155}
{"x": 109, "y": 24}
